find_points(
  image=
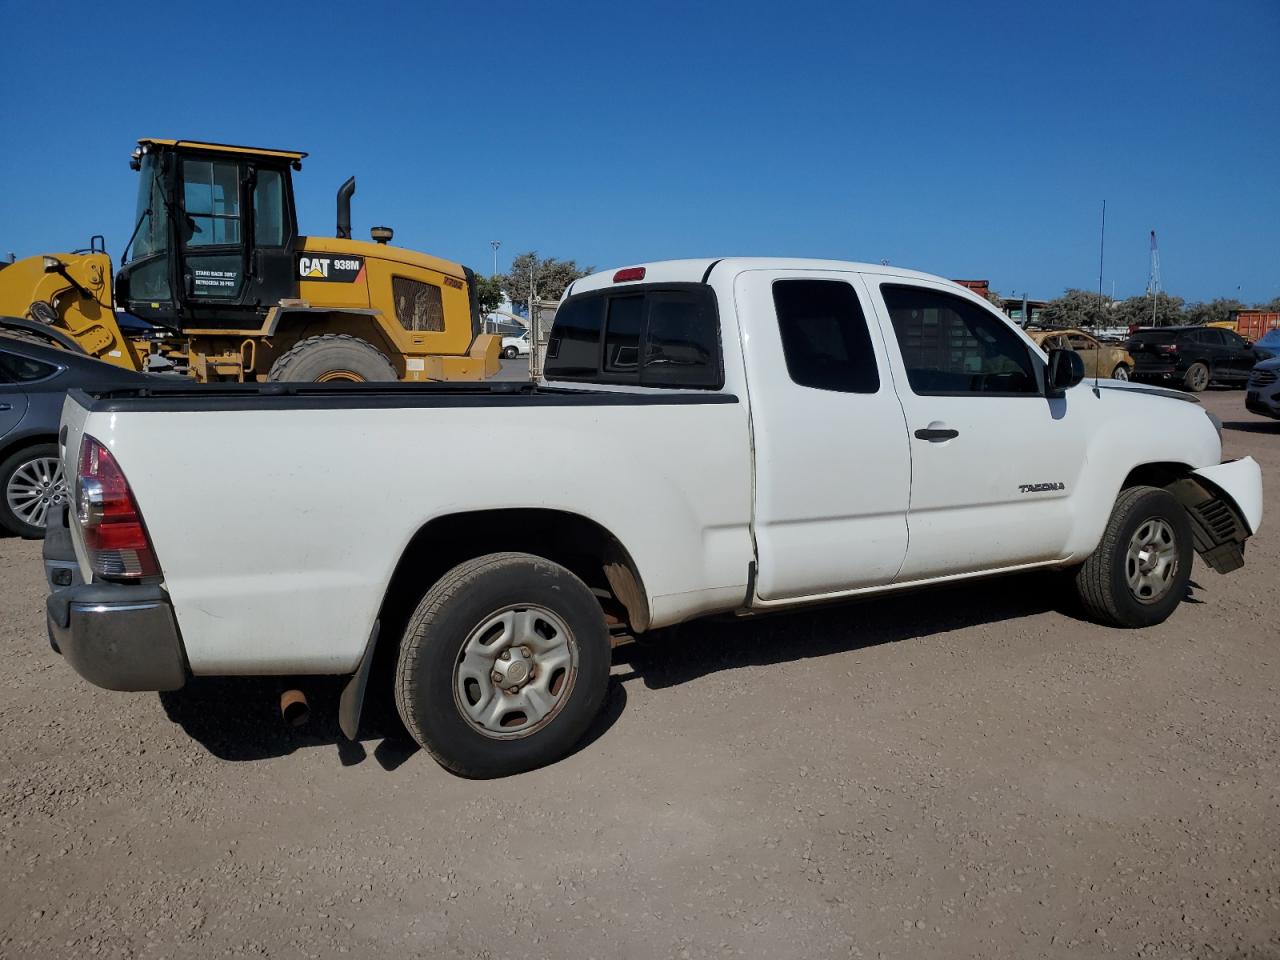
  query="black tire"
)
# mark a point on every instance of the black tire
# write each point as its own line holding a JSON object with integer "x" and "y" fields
{"x": 510, "y": 353}
{"x": 1121, "y": 372}
{"x": 432, "y": 649}
{"x": 1102, "y": 582}
{"x": 333, "y": 356}
{"x": 1197, "y": 377}
{"x": 11, "y": 464}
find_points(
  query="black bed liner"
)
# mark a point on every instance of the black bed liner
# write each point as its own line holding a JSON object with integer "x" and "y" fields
{"x": 374, "y": 396}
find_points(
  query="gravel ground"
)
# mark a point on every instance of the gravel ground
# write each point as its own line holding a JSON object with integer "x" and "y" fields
{"x": 967, "y": 773}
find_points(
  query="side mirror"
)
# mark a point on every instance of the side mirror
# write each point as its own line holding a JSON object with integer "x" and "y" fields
{"x": 1064, "y": 370}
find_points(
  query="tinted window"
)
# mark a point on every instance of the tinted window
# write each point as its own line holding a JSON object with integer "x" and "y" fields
{"x": 824, "y": 336}
{"x": 1154, "y": 336}
{"x": 573, "y": 348}
{"x": 16, "y": 369}
{"x": 654, "y": 337}
{"x": 681, "y": 345}
{"x": 268, "y": 209}
{"x": 622, "y": 333}
{"x": 952, "y": 346}
{"x": 1234, "y": 340}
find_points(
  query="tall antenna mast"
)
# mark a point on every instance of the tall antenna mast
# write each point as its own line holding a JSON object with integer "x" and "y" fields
{"x": 1102, "y": 245}
{"x": 1153, "y": 282}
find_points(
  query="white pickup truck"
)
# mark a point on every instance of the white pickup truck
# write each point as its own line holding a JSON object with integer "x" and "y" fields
{"x": 713, "y": 436}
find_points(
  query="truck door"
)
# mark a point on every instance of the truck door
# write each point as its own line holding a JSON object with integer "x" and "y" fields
{"x": 210, "y": 231}
{"x": 993, "y": 461}
{"x": 832, "y": 462}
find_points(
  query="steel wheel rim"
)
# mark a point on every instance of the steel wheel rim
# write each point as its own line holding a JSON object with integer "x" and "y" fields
{"x": 1121, "y": 373}
{"x": 34, "y": 488}
{"x": 1151, "y": 561}
{"x": 339, "y": 376}
{"x": 515, "y": 671}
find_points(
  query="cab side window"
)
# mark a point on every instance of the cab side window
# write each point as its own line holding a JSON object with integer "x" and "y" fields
{"x": 211, "y": 199}
{"x": 952, "y": 347}
{"x": 825, "y": 341}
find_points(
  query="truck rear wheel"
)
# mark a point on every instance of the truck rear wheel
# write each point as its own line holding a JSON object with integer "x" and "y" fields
{"x": 1138, "y": 574}
{"x": 333, "y": 356}
{"x": 503, "y": 666}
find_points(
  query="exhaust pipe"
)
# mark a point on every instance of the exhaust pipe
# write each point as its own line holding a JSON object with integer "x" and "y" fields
{"x": 344, "y": 208}
{"x": 294, "y": 709}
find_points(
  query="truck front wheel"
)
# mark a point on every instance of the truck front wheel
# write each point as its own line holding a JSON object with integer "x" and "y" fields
{"x": 503, "y": 666}
{"x": 1138, "y": 574}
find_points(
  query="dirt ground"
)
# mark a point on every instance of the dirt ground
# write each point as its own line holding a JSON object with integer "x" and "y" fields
{"x": 966, "y": 773}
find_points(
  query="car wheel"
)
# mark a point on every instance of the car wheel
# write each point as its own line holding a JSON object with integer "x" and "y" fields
{"x": 510, "y": 353}
{"x": 1121, "y": 372}
{"x": 503, "y": 665}
{"x": 1197, "y": 377}
{"x": 31, "y": 482}
{"x": 1138, "y": 574}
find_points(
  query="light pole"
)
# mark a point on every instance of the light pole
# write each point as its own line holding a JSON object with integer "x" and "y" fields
{"x": 495, "y": 244}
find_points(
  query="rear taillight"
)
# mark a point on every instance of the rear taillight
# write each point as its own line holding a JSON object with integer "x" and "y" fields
{"x": 1167, "y": 348}
{"x": 114, "y": 534}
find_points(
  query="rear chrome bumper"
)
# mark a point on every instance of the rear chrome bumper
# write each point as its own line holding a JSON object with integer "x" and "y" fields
{"x": 120, "y": 636}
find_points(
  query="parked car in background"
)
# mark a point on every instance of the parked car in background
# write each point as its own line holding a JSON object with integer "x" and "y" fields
{"x": 1191, "y": 356}
{"x": 1264, "y": 389}
{"x": 1268, "y": 345}
{"x": 518, "y": 346}
{"x": 33, "y": 383}
{"x": 1100, "y": 359}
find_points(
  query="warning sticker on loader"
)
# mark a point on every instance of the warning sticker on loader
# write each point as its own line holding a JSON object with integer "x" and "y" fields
{"x": 330, "y": 269}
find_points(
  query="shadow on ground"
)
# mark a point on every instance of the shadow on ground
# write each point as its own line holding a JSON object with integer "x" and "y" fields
{"x": 1253, "y": 426}
{"x": 238, "y": 719}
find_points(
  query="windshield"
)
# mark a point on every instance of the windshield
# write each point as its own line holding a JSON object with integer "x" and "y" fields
{"x": 152, "y": 236}
{"x": 1270, "y": 339}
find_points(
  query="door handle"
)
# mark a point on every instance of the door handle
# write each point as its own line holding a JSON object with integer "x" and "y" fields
{"x": 936, "y": 435}
{"x": 6, "y": 406}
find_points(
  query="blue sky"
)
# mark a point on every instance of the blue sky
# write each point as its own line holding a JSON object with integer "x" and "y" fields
{"x": 970, "y": 140}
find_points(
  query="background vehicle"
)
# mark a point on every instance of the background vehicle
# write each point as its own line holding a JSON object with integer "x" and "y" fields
{"x": 1268, "y": 345}
{"x": 1192, "y": 356}
{"x": 517, "y": 346}
{"x": 216, "y": 256}
{"x": 713, "y": 436}
{"x": 33, "y": 384}
{"x": 1100, "y": 359}
{"x": 1263, "y": 394}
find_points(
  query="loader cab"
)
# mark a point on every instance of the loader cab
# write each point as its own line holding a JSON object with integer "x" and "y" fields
{"x": 215, "y": 231}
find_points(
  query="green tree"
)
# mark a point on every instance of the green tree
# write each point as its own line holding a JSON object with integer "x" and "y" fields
{"x": 489, "y": 292}
{"x": 1271, "y": 306}
{"x": 550, "y": 277}
{"x": 1215, "y": 310}
{"x": 1138, "y": 310}
{"x": 1078, "y": 308}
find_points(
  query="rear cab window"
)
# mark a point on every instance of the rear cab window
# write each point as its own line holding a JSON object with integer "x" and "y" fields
{"x": 647, "y": 335}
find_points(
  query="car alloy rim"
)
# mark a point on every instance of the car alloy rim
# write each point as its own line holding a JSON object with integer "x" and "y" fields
{"x": 1151, "y": 562}
{"x": 35, "y": 487}
{"x": 1200, "y": 377}
{"x": 1122, "y": 373}
{"x": 515, "y": 671}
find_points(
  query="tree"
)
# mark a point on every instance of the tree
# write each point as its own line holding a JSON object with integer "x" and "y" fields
{"x": 1215, "y": 310}
{"x": 1078, "y": 308}
{"x": 489, "y": 292}
{"x": 550, "y": 277}
{"x": 1138, "y": 310}
{"x": 1271, "y": 306}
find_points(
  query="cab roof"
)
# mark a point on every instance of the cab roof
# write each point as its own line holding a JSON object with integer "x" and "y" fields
{"x": 221, "y": 147}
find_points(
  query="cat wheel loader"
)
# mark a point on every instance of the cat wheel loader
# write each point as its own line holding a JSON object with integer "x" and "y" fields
{"x": 217, "y": 265}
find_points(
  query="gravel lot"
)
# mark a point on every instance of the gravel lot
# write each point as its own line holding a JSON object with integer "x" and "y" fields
{"x": 953, "y": 774}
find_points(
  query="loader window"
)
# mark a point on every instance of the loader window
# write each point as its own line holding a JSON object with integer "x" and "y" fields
{"x": 268, "y": 209}
{"x": 211, "y": 198}
{"x": 153, "y": 235}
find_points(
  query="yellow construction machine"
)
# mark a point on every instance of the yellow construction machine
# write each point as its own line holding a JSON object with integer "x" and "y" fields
{"x": 216, "y": 264}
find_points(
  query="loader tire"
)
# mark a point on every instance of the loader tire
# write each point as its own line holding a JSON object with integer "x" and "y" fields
{"x": 332, "y": 357}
